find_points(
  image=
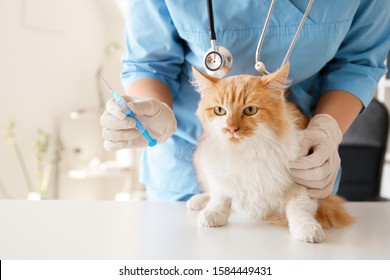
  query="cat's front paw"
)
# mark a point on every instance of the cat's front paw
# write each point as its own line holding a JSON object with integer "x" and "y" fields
{"x": 198, "y": 202}
{"x": 309, "y": 232}
{"x": 210, "y": 218}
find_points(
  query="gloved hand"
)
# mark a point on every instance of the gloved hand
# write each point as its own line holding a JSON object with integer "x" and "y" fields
{"x": 119, "y": 131}
{"x": 318, "y": 160}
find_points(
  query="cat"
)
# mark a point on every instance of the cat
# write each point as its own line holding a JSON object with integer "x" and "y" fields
{"x": 250, "y": 134}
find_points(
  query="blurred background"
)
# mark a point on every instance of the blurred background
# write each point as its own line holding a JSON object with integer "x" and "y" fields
{"x": 52, "y": 98}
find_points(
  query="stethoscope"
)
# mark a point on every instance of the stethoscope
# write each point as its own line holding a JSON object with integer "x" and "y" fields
{"x": 218, "y": 60}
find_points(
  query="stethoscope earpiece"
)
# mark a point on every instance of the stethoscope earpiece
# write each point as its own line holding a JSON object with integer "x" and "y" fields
{"x": 218, "y": 61}
{"x": 260, "y": 67}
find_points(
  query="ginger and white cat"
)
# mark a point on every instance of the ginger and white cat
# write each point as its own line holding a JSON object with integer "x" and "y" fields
{"x": 250, "y": 134}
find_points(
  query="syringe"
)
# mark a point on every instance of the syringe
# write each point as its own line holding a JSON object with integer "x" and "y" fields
{"x": 129, "y": 113}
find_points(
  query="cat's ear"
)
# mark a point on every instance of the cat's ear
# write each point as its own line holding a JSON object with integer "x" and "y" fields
{"x": 203, "y": 81}
{"x": 277, "y": 81}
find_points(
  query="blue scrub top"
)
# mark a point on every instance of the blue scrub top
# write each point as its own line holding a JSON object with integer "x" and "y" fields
{"x": 342, "y": 46}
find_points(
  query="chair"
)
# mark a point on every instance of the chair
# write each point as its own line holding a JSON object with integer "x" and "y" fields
{"x": 362, "y": 154}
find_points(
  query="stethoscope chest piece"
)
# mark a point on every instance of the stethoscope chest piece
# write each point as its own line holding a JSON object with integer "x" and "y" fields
{"x": 218, "y": 61}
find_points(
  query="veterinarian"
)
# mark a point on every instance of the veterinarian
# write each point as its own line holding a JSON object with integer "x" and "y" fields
{"x": 335, "y": 66}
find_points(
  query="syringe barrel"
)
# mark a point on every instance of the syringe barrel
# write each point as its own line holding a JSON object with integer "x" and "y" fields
{"x": 139, "y": 126}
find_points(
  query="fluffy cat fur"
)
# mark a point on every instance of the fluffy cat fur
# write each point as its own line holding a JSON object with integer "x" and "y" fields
{"x": 251, "y": 133}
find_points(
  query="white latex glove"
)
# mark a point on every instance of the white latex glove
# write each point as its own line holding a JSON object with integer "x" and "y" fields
{"x": 119, "y": 131}
{"x": 318, "y": 160}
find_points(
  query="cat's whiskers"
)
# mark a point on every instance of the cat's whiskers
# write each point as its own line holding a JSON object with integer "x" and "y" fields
{"x": 261, "y": 140}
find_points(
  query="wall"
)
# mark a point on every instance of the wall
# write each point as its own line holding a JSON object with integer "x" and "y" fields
{"x": 50, "y": 52}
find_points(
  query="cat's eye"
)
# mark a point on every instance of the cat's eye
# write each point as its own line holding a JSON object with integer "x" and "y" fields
{"x": 250, "y": 110}
{"x": 219, "y": 111}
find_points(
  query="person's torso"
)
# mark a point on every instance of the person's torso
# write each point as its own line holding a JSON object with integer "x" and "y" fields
{"x": 238, "y": 25}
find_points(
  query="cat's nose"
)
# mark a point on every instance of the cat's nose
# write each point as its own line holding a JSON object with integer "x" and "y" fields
{"x": 232, "y": 129}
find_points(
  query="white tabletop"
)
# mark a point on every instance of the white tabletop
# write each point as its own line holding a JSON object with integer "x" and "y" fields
{"x": 167, "y": 230}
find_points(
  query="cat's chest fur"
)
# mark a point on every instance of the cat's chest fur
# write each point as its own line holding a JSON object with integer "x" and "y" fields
{"x": 255, "y": 174}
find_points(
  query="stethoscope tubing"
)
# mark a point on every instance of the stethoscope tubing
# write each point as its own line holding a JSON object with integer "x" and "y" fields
{"x": 264, "y": 30}
{"x": 259, "y": 65}
{"x": 211, "y": 19}
{"x": 296, "y": 35}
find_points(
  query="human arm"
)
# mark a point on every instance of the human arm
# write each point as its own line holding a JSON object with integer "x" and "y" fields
{"x": 341, "y": 105}
{"x": 151, "y": 65}
{"x": 151, "y": 88}
{"x": 151, "y": 101}
{"x": 348, "y": 83}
